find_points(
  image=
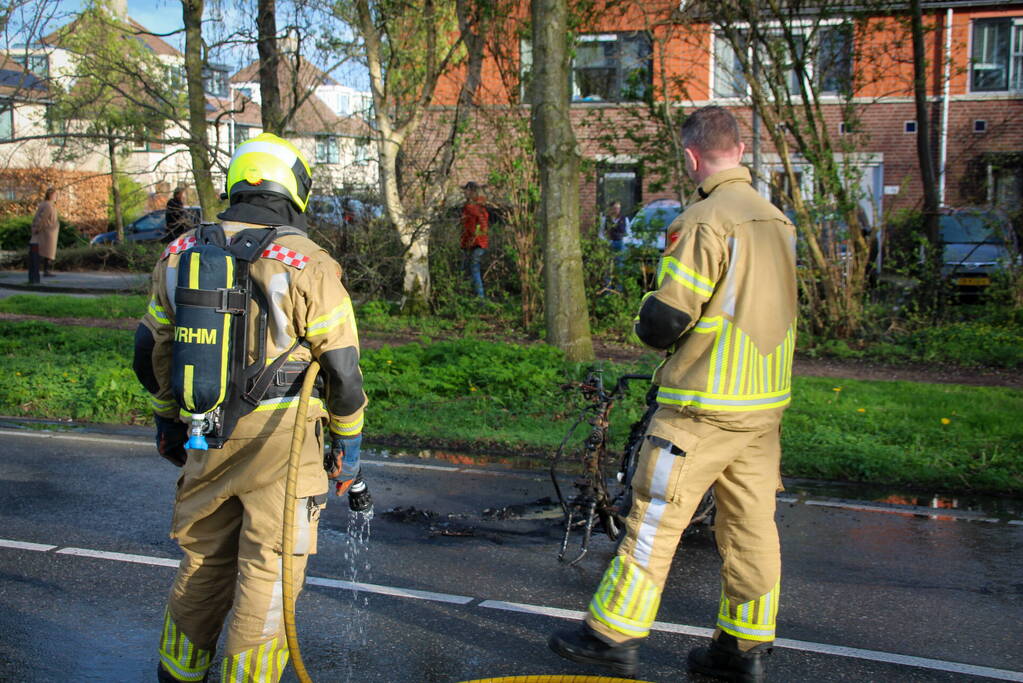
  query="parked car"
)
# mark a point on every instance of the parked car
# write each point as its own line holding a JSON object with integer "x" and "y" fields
{"x": 650, "y": 224}
{"x": 151, "y": 227}
{"x": 336, "y": 211}
{"x": 976, "y": 244}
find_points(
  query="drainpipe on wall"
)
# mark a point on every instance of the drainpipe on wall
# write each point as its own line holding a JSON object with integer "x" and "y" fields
{"x": 943, "y": 151}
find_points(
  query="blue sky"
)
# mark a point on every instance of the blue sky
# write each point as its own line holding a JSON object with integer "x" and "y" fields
{"x": 164, "y": 16}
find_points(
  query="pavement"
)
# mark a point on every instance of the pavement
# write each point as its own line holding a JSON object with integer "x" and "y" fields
{"x": 456, "y": 577}
{"x": 91, "y": 283}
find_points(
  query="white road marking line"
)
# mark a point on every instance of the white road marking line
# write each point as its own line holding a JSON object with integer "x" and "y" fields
{"x": 963, "y": 515}
{"x": 802, "y": 645}
{"x": 120, "y": 557}
{"x": 904, "y": 660}
{"x": 411, "y": 465}
{"x": 73, "y": 437}
{"x": 805, "y": 646}
{"x": 22, "y": 545}
{"x": 958, "y": 515}
{"x": 389, "y": 590}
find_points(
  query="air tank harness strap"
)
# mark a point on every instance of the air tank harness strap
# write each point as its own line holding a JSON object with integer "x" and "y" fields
{"x": 263, "y": 380}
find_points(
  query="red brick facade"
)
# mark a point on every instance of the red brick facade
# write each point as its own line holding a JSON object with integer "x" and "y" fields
{"x": 884, "y": 104}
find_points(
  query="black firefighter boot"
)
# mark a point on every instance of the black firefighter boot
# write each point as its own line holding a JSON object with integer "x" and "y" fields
{"x": 586, "y": 647}
{"x": 725, "y": 660}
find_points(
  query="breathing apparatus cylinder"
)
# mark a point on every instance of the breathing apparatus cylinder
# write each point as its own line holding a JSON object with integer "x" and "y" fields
{"x": 202, "y": 338}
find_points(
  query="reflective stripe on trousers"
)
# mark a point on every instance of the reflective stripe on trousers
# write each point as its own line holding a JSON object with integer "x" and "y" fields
{"x": 179, "y": 656}
{"x": 753, "y": 620}
{"x": 262, "y": 664}
{"x": 626, "y": 600}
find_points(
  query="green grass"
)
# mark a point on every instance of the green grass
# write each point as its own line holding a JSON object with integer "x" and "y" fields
{"x": 479, "y": 394}
{"x": 111, "y": 306}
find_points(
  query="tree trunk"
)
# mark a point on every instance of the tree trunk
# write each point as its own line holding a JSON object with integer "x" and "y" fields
{"x": 416, "y": 285}
{"x": 928, "y": 176}
{"x": 557, "y": 156}
{"x": 209, "y": 198}
{"x": 269, "y": 57}
{"x": 115, "y": 190}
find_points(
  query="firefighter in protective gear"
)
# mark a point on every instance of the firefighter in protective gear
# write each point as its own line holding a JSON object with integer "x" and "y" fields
{"x": 725, "y": 310}
{"x": 229, "y": 503}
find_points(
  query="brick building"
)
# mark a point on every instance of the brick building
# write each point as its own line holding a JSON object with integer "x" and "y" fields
{"x": 632, "y": 58}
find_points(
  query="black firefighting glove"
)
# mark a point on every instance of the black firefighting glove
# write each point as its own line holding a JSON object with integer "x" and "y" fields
{"x": 171, "y": 436}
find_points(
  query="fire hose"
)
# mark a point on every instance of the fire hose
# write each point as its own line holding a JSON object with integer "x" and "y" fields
{"x": 288, "y": 542}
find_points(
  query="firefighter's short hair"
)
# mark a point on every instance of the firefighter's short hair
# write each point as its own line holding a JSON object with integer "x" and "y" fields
{"x": 710, "y": 129}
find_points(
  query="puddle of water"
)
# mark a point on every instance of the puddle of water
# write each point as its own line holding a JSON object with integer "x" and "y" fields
{"x": 1001, "y": 507}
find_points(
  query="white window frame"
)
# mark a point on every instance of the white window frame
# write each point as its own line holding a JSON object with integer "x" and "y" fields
{"x": 330, "y": 143}
{"x": 811, "y": 67}
{"x": 1014, "y": 79}
{"x": 526, "y": 65}
{"x": 7, "y": 111}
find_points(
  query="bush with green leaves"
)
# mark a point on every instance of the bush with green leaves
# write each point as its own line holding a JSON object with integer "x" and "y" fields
{"x": 16, "y": 231}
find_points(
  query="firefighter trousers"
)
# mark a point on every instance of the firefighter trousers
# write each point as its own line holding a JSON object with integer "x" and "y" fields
{"x": 228, "y": 521}
{"x": 680, "y": 459}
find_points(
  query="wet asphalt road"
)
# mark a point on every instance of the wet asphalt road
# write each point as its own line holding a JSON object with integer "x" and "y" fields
{"x": 947, "y": 591}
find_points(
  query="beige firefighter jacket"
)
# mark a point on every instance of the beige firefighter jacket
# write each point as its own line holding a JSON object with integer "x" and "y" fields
{"x": 306, "y": 301}
{"x": 729, "y": 265}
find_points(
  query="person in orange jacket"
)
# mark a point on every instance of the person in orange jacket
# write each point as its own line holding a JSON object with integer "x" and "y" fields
{"x": 474, "y": 242}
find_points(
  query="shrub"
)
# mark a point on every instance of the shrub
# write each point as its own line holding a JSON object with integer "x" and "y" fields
{"x": 16, "y": 231}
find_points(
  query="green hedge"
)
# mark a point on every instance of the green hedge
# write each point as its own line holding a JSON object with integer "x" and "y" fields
{"x": 16, "y": 231}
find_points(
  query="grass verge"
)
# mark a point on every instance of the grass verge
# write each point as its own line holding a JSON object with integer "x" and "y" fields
{"x": 111, "y": 306}
{"x": 502, "y": 397}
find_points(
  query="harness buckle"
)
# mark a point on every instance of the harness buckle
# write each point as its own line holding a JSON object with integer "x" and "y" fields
{"x": 226, "y": 296}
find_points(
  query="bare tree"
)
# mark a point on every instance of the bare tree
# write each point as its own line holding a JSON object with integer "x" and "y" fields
{"x": 198, "y": 150}
{"x": 803, "y": 62}
{"x": 557, "y": 154}
{"x": 925, "y": 154}
{"x": 406, "y": 50}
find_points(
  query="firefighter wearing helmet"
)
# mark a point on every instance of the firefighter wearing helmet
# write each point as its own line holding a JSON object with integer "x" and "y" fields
{"x": 229, "y": 501}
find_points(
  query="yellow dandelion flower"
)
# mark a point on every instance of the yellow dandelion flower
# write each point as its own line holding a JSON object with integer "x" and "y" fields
{"x": 472, "y": 388}
{"x": 836, "y": 388}
{"x": 861, "y": 410}
{"x": 945, "y": 421}
{"x": 389, "y": 362}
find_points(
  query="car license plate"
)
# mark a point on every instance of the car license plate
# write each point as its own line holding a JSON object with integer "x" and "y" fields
{"x": 973, "y": 281}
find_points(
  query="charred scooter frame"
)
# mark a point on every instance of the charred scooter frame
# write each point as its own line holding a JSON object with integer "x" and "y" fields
{"x": 594, "y": 501}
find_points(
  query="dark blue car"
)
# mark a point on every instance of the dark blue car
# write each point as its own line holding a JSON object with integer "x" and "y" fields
{"x": 151, "y": 227}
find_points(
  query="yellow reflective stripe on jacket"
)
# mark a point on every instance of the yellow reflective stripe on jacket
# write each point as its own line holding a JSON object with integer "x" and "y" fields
{"x": 702, "y": 399}
{"x": 346, "y": 428}
{"x": 158, "y": 312}
{"x": 626, "y": 600}
{"x": 285, "y": 402}
{"x": 740, "y": 377}
{"x": 263, "y": 664}
{"x": 753, "y": 620}
{"x": 684, "y": 275}
{"x": 329, "y": 321}
{"x": 161, "y": 404}
{"x": 179, "y": 656}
